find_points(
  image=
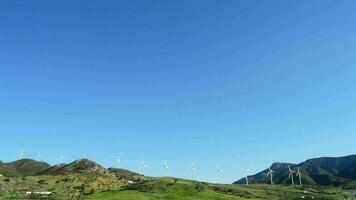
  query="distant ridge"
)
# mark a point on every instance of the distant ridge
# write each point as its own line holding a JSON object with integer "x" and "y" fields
{"x": 335, "y": 171}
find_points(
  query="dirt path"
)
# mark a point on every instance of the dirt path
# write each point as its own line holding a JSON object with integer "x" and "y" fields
{"x": 352, "y": 195}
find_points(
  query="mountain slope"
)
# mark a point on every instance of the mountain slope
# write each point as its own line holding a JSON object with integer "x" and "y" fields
{"x": 23, "y": 167}
{"x": 125, "y": 174}
{"x": 334, "y": 171}
{"x": 78, "y": 166}
{"x": 261, "y": 177}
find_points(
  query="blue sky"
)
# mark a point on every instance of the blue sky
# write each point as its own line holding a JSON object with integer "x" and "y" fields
{"x": 241, "y": 84}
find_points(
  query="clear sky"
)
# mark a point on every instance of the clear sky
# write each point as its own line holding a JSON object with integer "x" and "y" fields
{"x": 240, "y": 83}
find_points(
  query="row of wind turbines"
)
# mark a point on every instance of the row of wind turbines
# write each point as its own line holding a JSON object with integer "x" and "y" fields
{"x": 166, "y": 168}
{"x": 220, "y": 170}
{"x": 192, "y": 168}
{"x": 290, "y": 175}
{"x": 38, "y": 156}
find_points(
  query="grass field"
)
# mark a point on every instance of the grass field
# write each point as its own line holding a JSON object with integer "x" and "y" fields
{"x": 186, "y": 190}
{"x": 134, "y": 195}
{"x": 99, "y": 187}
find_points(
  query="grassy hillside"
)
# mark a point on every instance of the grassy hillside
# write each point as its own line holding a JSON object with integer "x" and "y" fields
{"x": 170, "y": 189}
{"x": 133, "y": 195}
{"x": 95, "y": 186}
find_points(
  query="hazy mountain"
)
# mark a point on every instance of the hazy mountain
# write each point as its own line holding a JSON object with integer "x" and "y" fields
{"x": 322, "y": 171}
{"x": 23, "y": 167}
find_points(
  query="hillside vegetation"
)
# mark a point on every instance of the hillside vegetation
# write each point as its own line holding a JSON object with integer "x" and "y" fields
{"x": 168, "y": 189}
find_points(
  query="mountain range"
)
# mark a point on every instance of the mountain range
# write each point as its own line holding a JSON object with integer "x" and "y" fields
{"x": 29, "y": 167}
{"x": 333, "y": 171}
{"x": 85, "y": 179}
{"x": 23, "y": 167}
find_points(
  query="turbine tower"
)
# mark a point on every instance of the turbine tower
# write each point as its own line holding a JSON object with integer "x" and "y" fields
{"x": 142, "y": 167}
{"x": 270, "y": 174}
{"x": 118, "y": 160}
{"x": 290, "y": 171}
{"x": 299, "y": 174}
{"x": 38, "y": 157}
{"x": 193, "y": 169}
{"x": 247, "y": 173}
{"x": 165, "y": 168}
{"x": 22, "y": 153}
{"x": 220, "y": 171}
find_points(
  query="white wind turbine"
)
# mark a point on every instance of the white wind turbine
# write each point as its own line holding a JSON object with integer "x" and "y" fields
{"x": 22, "y": 153}
{"x": 290, "y": 171}
{"x": 270, "y": 174}
{"x": 193, "y": 169}
{"x": 219, "y": 171}
{"x": 247, "y": 173}
{"x": 299, "y": 174}
{"x": 118, "y": 160}
{"x": 142, "y": 167}
{"x": 165, "y": 168}
{"x": 60, "y": 158}
{"x": 84, "y": 156}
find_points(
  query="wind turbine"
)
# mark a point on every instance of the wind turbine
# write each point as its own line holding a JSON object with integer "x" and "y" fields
{"x": 22, "y": 153}
{"x": 247, "y": 173}
{"x": 60, "y": 158}
{"x": 84, "y": 156}
{"x": 299, "y": 174}
{"x": 220, "y": 171}
{"x": 290, "y": 171}
{"x": 270, "y": 174}
{"x": 118, "y": 160}
{"x": 38, "y": 157}
{"x": 165, "y": 168}
{"x": 193, "y": 169}
{"x": 142, "y": 167}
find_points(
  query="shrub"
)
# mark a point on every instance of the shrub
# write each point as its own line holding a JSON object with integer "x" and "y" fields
{"x": 41, "y": 181}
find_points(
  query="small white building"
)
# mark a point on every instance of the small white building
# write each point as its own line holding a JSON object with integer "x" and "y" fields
{"x": 38, "y": 192}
